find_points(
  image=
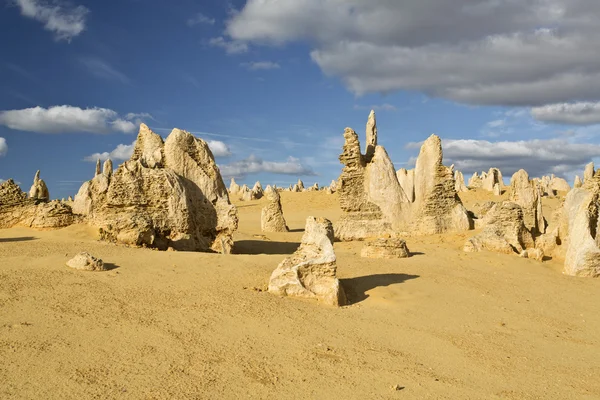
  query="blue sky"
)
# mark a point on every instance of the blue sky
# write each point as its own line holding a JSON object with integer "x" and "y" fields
{"x": 272, "y": 84}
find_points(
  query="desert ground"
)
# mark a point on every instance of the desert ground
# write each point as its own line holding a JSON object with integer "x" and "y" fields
{"x": 442, "y": 324}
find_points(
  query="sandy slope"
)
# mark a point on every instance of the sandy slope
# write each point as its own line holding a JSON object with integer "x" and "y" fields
{"x": 442, "y": 324}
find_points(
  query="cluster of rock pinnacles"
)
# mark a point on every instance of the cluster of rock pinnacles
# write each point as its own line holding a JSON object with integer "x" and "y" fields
{"x": 170, "y": 195}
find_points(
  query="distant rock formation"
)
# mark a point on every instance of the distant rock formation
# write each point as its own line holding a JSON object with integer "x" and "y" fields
{"x": 300, "y": 185}
{"x": 525, "y": 193}
{"x": 504, "y": 231}
{"x": 577, "y": 183}
{"x": 234, "y": 188}
{"x": 311, "y": 272}
{"x": 39, "y": 190}
{"x": 493, "y": 177}
{"x": 169, "y": 194}
{"x": 374, "y": 202}
{"x": 98, "y": 167}
{"x": 271, "y": 219}
{"x": 475, "y": 182}
{"x": 459, "y": 180}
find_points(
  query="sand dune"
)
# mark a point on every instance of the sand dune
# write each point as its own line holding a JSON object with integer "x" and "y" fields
{"x": 442, "y": 324}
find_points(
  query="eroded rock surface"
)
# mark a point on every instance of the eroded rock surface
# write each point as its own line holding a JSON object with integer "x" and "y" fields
{"x": 86, "y": 262}
{"x": 385, "y": 248}
{"x": 311, "y": 271}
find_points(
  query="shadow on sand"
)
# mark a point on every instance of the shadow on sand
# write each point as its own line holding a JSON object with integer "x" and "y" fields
{"x": 110, "y": 266}
{"x": 356, "y": 288}
{"x": 297, "y": 230}
{"x": 264, "y": 247}
{"x": 18, "y": 239}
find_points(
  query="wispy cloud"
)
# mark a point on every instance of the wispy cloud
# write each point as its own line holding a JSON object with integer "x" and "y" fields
{"x": 66, "y": 119}
{"x": 101, "y": 69}
{"x": 3, "y": 147}
{"x": 260, "y": 65}
{"x": 64, "y": 20}
{"x": 200, "y": 19}
{"x": 255, "y": 165}
{"x": 230, "y": 46}
{"x": 377, "y": 107}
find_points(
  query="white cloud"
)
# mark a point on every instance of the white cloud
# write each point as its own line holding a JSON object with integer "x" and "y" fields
{"x": 462, "y": 50}
{"x": 260, "y": 65}
{"x": 200, "y": 19}
{"x": 230, "y": 46}
{"x": 537, "y": 157}
{"x": 582, "y": 113}
{"x": 59, "y": 17}
{"x": 65, "y": 119}
{"x": 377, "y": 107}
{"x": 255, "y": 165}
{"x": 218, "y": 148}
{"x": 3, "y": 147}
{"x": 120, "y": 153}
{"x": 102, "y": 69}
{"x": 124, "y": 152}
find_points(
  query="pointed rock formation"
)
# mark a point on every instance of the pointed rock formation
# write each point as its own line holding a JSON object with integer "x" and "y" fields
{"x": 475, "y": 181}
{"x": 577, "y": 183}
{"x": 589, "y": 172}
{"x": 167, "y": 195}
{"x": 311, "y": 271}
{"x": 98, "y": 167}
{"x": 257, "y": 191}
{"x": 300, "y": 185}
{"x": 525, "y": 193}
{"x": 459, "y": 184}
{"x": 333, "y": 186}
{"x": 438, "y": 208}
{"x": 107, "y": 169}
{"x": 371, "y": 136}
{"x": 234, "y": 188}
{"x": 69, "y": 198}
{"x": 406, "y": 178}
{"x": 271, "y": 218}
{"x": 374, "y": 202}
{"x": 493, "y": 177}
{"x": 39, "y": 190}
{"x": 148, "y": 148}
{"x": 504, "y": 231}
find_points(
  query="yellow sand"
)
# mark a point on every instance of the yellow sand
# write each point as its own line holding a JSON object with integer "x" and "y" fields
{"x": 442, "y": 324}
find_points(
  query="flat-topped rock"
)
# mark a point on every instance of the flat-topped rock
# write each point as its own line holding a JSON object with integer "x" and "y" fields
{"x": 385, "y": 248}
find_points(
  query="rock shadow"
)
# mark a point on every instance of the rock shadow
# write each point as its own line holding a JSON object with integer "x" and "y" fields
{"x": 18, "y": 239}
{"x": 264, "y": 247}
{"x": 356, "y": 288}
{"x": 110, "y": 266}
{"x": 297, "y": 230}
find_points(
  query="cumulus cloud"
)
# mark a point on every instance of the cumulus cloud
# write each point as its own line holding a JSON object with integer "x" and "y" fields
{"x": 65, "y": 20}
{"x": 124, "y": 152}
{"x": 120, "y": 153}
{"x": 260, "y": 65}
{"x": 255, "y": 165}
{"x": 537, "y": 157}
{"x": 101, "y": 69}
{"x": 66, "y": 119}
{"x": 3, "y": 147}
{"x": 581, "y": 113}
{"x": 200, "y": 19}
{"x": 462, "y": 50}
{"x": 218, "y": 148}
{"x": 230, "y": 46}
